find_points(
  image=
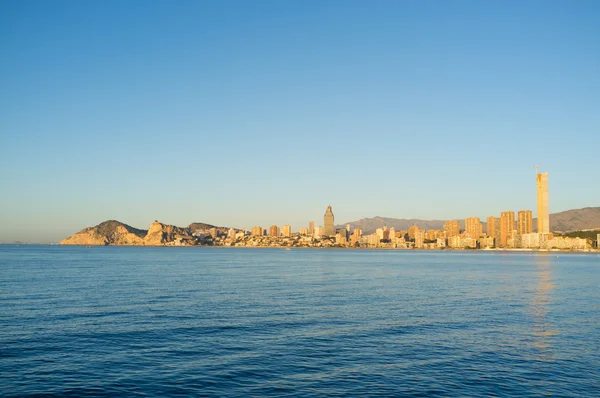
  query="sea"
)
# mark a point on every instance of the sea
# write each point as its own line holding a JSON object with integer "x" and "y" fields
{"x": 238, "y": 322}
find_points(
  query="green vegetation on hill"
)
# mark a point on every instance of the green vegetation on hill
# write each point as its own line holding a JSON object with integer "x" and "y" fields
{"x": 593, "y": 235}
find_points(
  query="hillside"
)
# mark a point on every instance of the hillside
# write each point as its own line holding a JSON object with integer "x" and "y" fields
{"x": 566, "y": 221}
{"x": 574, "y": 220}
{"x": 109, "y": 232}
{"x": 118, "y": 234}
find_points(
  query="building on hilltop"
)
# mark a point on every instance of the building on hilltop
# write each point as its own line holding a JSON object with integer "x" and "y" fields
{"x": 286, "y": 230}
{"x": 274, "y": 230}
{"x": 329, "y": 229}
{"x": 543, "y": 215}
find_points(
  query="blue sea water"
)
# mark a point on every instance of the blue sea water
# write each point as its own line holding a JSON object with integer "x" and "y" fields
{"x": 272, "y": 322}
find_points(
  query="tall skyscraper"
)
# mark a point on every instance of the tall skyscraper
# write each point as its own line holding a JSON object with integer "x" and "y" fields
{"x": 507, "y": 226}
{"x": 329, "y": 230}
{"x": 524, "y": 222}
{"x": 311, "y": 228}
{"x": 473, "y": 227}
{"x": 543, "y": 216}
{"x": 452, "y": 228}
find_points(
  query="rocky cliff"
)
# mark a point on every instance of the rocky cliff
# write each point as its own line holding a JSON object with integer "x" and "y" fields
{"x": 116, "y": 233}
{"x": 161, "y": 234}
{"x": 107, "y": 233}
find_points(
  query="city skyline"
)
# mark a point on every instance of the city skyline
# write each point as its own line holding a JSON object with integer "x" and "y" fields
{"x": 230, "y": 113}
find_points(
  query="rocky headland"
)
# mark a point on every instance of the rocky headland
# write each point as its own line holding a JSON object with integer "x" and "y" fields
{"x": 118, "y": 234}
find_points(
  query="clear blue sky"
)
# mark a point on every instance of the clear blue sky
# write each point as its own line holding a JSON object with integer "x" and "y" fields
{"x": 242, "y": 113}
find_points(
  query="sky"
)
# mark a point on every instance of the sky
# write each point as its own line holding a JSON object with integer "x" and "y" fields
{"x": 242, "y": 113}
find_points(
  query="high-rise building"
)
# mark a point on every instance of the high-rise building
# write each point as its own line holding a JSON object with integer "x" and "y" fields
{"x": 507, "y": 226}
{"x": 419, "y": 239}
{"x": 329, "y": 229}
{"x": 412, "y": 232}
{"x": 319, "y": 231}
{"x": 311, "y": 228}
{"x": 473, "y": 227}
{"x": 286, "y": 230}
{"x": 490, "y": 228}
{"x": 543, "y": 216}
{"x": 274, "y": 230}
{"x": 257, "y": 231}
{"x": 524, "y": 222}
{"x": 452, "y": 228}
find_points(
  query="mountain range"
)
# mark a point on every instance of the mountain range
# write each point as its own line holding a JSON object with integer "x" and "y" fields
{"x": 565, "y": 221}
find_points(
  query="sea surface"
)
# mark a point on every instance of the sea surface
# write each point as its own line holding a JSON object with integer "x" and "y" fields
{"x": 231, "y": 322}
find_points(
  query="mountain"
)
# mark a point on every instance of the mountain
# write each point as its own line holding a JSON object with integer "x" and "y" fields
{"x": 116, "y": 233}
{"x": 574, "y": 220}
{"x": 369, "y": 225}
{"x": 109, "y": 232}
{"x": 566, "y": 221}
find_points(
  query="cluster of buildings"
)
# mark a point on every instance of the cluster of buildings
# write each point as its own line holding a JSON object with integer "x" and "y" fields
{"x": 509, "y": 231}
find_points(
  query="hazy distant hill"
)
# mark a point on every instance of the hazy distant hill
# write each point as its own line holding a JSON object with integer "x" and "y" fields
{"x": 574, "y": 220}
{"x": 570, "y": 220}
{"x": 369, "y": 225}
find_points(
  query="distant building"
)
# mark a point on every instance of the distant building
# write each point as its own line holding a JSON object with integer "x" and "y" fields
{"x": 311, "y": 228}
{"x": 473, "y": 227}
{"x": 319, "y": 231}
{"x": 419, "y": 239}
{"x": 543, "y": 215}
{"x": 231, "y": 234}
{"x": 490, "y": 228}
{"x": 412, "y": 232}
{"x": 524, "y": 222}
{"x": 392, "y": 235}
{"x": 286, "y": 230}
{"x": 303, "y": 231}
{"x": 213, "y": 232}
{"x": 328, "y": 218}
{"x": 452, "y": 228}
{"x": 274, "y": 230}
{"x": 507, "y": 226}
{"x": 257, "y": 231}
{"x": 433, "y": 234}
{"x": 486, "y": 241}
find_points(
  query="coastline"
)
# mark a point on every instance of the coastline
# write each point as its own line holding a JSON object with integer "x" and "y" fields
{"x": 446, "y": 250}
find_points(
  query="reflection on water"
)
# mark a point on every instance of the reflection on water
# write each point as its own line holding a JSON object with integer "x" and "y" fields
{"x": 542, "y": 328}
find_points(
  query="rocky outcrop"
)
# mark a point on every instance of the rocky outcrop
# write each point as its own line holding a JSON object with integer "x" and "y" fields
{"x": 107, "y": 233}
{"x": 161, "y": 234}
{"x": 119, "y": 234}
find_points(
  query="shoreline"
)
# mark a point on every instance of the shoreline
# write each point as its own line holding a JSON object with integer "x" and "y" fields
{"x": 446, "y": 250}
